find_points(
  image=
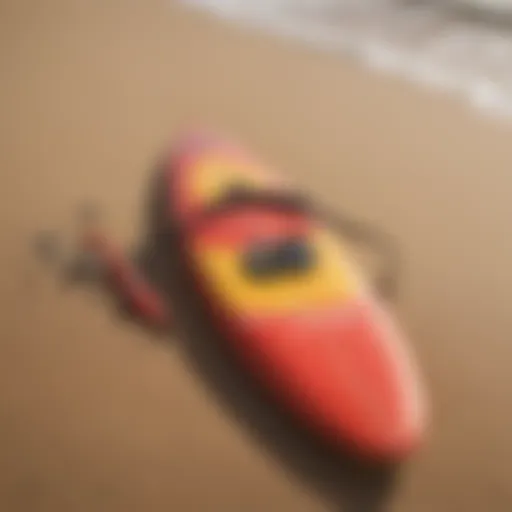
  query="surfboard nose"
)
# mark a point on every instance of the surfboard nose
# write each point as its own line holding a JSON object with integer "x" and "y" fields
{"x": 392, "y": 431}
{"x": 349, "y": 376}
{"x": 386, "y": 407}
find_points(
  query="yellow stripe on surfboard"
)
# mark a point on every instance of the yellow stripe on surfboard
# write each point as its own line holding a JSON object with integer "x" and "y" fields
{"x": 213, "y": 175}
{"x": 332, "y": 279}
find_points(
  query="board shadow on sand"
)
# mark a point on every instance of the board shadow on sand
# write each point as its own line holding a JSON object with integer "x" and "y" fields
{"x": 344, "y": 483}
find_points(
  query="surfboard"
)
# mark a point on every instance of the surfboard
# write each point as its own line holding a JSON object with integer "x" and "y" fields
{"x": 292, "y": 302}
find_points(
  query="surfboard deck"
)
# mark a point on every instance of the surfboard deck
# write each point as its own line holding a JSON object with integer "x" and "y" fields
{"x": 294, "y": 305}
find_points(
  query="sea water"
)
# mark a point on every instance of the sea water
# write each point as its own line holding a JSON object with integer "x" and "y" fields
{"x": 462, "y": 47}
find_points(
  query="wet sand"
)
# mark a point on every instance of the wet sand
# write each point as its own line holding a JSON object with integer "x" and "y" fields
{"x": 96, "y": 414}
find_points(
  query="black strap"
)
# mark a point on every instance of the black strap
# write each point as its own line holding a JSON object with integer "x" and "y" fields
{"x": 241, "y": 196}
{"x": 359, "y": 232}
{"x": 387, "y": 278}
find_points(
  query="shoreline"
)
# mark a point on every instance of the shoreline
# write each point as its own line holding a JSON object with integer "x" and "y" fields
{"x": 429, "y": 55}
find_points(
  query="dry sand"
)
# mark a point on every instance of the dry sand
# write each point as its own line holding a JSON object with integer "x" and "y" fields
{"x": 97, "y": 416}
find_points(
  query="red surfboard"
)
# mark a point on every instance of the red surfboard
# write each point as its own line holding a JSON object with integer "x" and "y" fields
{"x": 293, "y": 303}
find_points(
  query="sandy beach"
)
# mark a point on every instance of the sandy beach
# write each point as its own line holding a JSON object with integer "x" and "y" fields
{"x": 98, "y": 415}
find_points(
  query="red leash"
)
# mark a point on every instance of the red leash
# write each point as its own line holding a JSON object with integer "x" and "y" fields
{"x": 127, "y": 281}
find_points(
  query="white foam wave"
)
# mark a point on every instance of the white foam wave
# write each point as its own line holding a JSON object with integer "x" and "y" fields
{"x": 421, "y": 42}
